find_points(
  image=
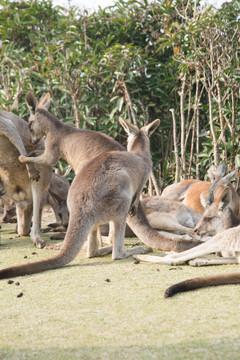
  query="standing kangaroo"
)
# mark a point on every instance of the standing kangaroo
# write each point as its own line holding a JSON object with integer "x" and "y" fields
{"x": 105, "y": 190}
{"x": 16, "y": 178}
{"x": 79, "y": 146}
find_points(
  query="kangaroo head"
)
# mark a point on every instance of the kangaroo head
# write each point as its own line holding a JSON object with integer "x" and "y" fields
{"x": 36, "y": 131}
{"x": 138, "y": 138}
{"x": 215, "y": 216}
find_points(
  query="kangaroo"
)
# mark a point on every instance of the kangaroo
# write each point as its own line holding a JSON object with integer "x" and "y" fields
{"x": 221, "y": 213}
{"x": 79, "y": 146}
{"x": 9, "y": 211}
{"x": 170, "y": 215}
{"x": 194, "y": 193}
{"x": 106, "y": 189}
{"x": 56, "y": 197}
{"x": 19, "y": 180}
{"x": 221, "y": 195}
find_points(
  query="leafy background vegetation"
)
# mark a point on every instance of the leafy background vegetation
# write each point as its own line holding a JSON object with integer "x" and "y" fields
{"x": 166, "y": 59}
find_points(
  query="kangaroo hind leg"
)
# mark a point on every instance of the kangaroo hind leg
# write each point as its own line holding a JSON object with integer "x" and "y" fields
{"x": 94, "y": 247}
{"x": 118, "y": 247}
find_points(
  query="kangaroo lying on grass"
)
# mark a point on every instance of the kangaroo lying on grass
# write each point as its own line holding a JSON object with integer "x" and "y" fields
{"x": 105, "y": 190}
{"x": 227, "y": 240}
{"x": 170, "y": 215}
{"x": 221, "y": 212}
{"x": 170, "y": 218}
{"x": 79, "y": 146}
{"x": 17, "y": 177}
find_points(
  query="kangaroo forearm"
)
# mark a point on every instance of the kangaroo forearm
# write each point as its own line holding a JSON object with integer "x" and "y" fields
{"x": 42, "y": 160}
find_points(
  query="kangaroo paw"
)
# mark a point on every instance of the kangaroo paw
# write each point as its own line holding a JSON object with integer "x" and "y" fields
{"x": 33, "y": 173}
{"x": 23, "y": 158}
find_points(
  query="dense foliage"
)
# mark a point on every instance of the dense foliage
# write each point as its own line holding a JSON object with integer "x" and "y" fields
{"x": 135, "y": 59}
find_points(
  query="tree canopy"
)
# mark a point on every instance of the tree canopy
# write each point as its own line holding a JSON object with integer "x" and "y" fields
{"x": 171, "y": 60}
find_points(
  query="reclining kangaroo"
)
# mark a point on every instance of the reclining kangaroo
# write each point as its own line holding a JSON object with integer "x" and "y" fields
{"x": 170, "y": 215}
{"x": 79, "y": 146}
{"x": 221, "y": 212}
{"x": 170, "y": 218}
{"x": 105, "y": 190}
{"x": 17, "y": 179}
{"x": 226, "y": 241}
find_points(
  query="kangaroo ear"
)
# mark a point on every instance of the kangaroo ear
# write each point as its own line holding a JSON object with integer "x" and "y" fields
{"x": 45, "y": 101}
{"x": 204, "y": 200}
{"x": 55, "y": 196}
{"x": 129, "y": 128}
{"x": 150, "y": 128}
{"x": 31, "y": 102}
{"x": 225, "y": 198}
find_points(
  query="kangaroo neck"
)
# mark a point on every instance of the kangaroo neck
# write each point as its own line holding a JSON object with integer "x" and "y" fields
{"x": 48, "y": 121}
{"x": 139, "y": 144}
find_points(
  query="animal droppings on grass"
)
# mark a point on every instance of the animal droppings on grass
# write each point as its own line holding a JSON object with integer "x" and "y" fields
{"x": 17, "y": 283}
{"x": 136, "y": 262}
{"x": 175, "y": 268}
{"x": 25, "y": 257}
{"x": 10, "y": 282}
{"x": 107, "y": 280}
{"x": 34, "y": 253}
{"x": 20, "y": 294}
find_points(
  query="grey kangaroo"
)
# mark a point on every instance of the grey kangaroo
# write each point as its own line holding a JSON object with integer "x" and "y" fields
{"x": 79, "y": 146}
{"x": 105, "y": 190}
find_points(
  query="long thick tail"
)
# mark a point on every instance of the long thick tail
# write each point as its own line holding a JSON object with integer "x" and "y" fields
{"x": 149, "y": 236}
{"x": 201, "y": 282}
{"x": 76, "y": 235}
{"x": 8, "y": 129}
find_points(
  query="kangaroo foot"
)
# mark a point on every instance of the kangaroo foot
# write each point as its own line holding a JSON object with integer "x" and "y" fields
{"x": 132, "y": 252}
{"x": 59, "y": 236}
{"x": 100, "y": 251}
{"x": 155, "y": 259}
{"x": 38, "y": 242}
{"x": 212, "y": 261}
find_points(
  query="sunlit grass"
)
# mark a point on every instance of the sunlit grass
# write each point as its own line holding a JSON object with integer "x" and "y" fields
{"x": 74, "y": 313}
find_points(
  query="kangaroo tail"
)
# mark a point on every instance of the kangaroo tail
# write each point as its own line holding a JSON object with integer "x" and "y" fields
{"x": 8, "y": 129}
{"x": 149, "y": 236}
{"x": 76, "y": 235}
{"x": 201, "y": 282}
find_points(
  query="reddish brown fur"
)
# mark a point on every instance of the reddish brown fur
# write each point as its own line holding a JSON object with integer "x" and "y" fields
{"x": 192, "y": 197}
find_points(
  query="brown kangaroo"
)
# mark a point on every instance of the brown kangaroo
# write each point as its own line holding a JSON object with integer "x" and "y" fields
{"x": 16, "y": 178}
{"x": 79, "y": 146}
{"x": 105, "y": 190}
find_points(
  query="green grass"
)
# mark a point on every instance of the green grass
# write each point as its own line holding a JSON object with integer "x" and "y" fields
{"x": 74, "y": 313}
